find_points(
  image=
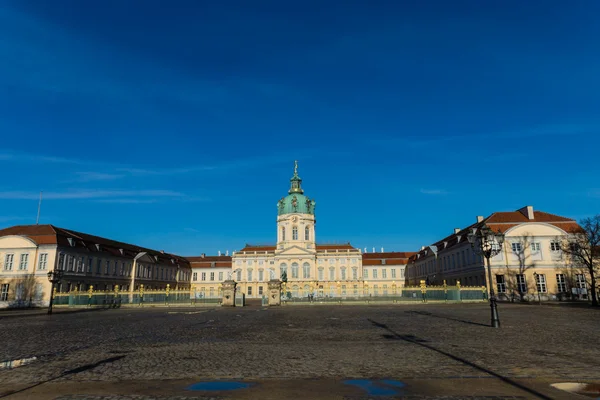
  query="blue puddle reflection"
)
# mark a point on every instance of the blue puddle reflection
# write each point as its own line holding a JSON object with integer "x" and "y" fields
{"x": 383, "y": 387}
{"x": 217, "y": 386}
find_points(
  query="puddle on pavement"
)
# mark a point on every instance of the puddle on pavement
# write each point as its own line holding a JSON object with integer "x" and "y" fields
{"x": 584, "y": 389}
{"x": 217, "y": 386}
{"x": 17, "y": 363}
{"x": 383, "y": 387}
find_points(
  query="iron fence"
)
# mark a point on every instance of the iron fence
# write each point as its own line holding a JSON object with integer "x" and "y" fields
{"x": 140, "y": 298}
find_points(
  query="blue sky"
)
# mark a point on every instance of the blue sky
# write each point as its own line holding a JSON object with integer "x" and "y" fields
{"x": 174, "y": 125}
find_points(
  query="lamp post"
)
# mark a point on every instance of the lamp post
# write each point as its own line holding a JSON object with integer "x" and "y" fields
{"x": 488, "y": 243}
{"x": 54, "y": 277}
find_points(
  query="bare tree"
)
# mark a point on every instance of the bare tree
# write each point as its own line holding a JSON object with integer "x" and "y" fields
{"x": 583, "y": 246}
{"x": 525, "y": 263}
{"x": 24, "y": 289}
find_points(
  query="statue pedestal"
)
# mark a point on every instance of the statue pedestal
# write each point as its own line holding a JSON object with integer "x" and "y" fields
{"x": 274, "y": 292}
{"x": 229, "y": 293}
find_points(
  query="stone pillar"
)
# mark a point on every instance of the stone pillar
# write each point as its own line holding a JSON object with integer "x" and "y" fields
{"x": 274, "y": 292}
{"x": 229, "y": 293}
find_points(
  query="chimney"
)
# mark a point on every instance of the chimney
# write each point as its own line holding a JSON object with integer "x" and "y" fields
{"x": 373, "y": 249}
{"x": 162, "y": 251}
{"x": 219, "y": 253}
{"x": 479, "y": 218}
{"x": 422, "y": 247}
{"x": 456, "y": 230}
{"x": 382, "y": 249}
{"x": 528, "y": 212}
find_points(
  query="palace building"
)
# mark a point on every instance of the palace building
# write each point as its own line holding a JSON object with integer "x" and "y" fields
{"x": 29, "y": 252}
{"x": 312, "y": 268}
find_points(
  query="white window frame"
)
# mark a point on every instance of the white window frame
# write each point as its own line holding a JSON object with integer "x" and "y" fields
{"x": 306, "y": 270}
{"x": 331, "y": 274}
{"x": 375, "y": 274}
{"x": 365, "y": 273}
{"x": 521, "y": 280}
{"x": 9, "y": 261}
{"x": 4, "y": 291}
{"x": 561, "y": 283}
{"x": 220, "y": 275}
{"x": 516, "y": 247}
{"x": 500, "y": 283}
{"x": 295, "y": 272}
{"x": 384, "y": 273}
{"x": 212, "y": 276}
{"x": 194, "y": 276}
{"x": 43, "y": 261}
{"x": 23, "y": 261}
{"x": 203, "y": 277}
{"x": 540, "y": 283}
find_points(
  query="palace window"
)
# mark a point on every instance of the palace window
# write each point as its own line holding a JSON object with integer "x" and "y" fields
{"x": 61, "y": 261}
{"x": 194, "y": 276}
{"x": 384, "y": 273}
{"x": 354, "y": 273}
{"x": 106, "y": 267}
{"x": 203, "y": 276}
{"x": 354, "y": 261}
{"x": 43, "y": 262}
{"x": 321, "y": 274}
{"x": 71, "y": 263}
{"x": 374, "y": 274}
{"x": 24, "y": 261}
{"x": 535, "y": 247}
{"x": 282, "y": 269}
{"x": 561, "y": 283}
{"x": 307, "y": 233}
{"x": 554, "y": 246}
{"x": 501, "y": 283}
{"x": 238, "y": 275}
{"x": 331, "y": 261}
{"x": 212, "y": 276}
{"x": 4, "y": 292}
{"x": 295, "y": 233}
{"x": 365, "y": 273}
{"x": 260, "y": 290}
{"x": 283, "y": 233}
{"x": 89, "y": 265}
{"x": 540, "y": 281}
{"x": 249, "y": 273}
{"x": 295, "y": 270}
{"x": 220, "y": 276}
{"x": 306, "y": 270}
{"x": 332, "y": 274}
{"x": 393, "y": 273}
{"x": 521, "y": 283}
{"x": 516, "y": 248}
{"x": 99, "y": 266}
{"x": 261, "y": 275}
{"x": 343, "y": 270}
{"x": 249, "y": 290}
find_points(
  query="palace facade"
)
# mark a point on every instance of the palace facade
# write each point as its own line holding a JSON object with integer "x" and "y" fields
{"x": 530, "y": 266}
{"x": 29, "y": 252}
{"x": 312, "y": 268}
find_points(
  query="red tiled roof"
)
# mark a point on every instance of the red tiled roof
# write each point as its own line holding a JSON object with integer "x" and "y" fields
{"x": 50, "y": 234}
{"x": 518, "y": 216}
{"x": 568, "y": 227}
{"x": 392, "y": 261}
{"x": 250, "y": 247}
{"x": 208, "y": 258}
{"x": 389, "y": 254}
{"x": 346, "y": 246}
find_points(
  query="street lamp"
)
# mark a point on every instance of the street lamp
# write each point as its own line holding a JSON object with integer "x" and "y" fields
{"x": 54, "y": 277}
{"x": 488, "y": 243}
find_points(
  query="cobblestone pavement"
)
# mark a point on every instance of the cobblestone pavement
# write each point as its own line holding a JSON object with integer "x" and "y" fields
{"x": 438, "y": 343}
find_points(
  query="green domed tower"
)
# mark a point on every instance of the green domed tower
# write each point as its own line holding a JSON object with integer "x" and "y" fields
{"x": 295, "y": 201}
{"x": 296, "y": 216}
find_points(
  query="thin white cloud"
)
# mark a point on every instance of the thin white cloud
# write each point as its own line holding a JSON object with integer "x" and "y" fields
{"x": 89, "y": 176}
{"x": 433, "y": 192}
{"x": 89, "y": 194}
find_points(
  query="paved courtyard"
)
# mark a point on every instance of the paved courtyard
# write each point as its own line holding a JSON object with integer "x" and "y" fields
{"x": 302, "y": 352}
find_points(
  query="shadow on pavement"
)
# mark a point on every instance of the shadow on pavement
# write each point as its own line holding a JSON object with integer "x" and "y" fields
{"x": 428, "y": 314}
{"x": 66, "y": 373}
{"x": 422, "y": 343}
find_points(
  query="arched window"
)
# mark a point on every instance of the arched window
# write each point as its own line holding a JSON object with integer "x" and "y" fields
{"x": 283, "y": 233}
{"x": 249, "y": 273}
{"x": 343, "y": 270}
{"x": 295, "y": 270}
{"x": 282, "y": 269}
{"x": 295, "y": 233}
{"x": 332, "y": 274}
{"x": 306, "y": 270}
{"x": 239, "y": 275}
{"x": 307, "y": 233}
